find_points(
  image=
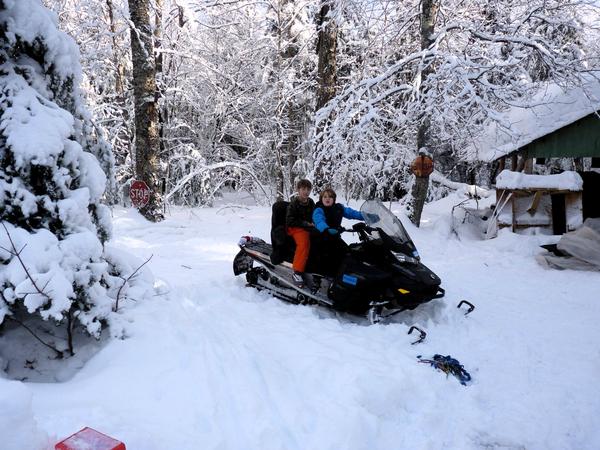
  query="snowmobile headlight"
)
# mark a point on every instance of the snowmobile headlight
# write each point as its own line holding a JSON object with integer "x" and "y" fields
{"x": 405, "y": 259}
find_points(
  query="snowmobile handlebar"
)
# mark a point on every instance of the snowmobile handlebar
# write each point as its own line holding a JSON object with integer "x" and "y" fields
{"x": 361, "y": 226}
{"x": 357, "y": 227}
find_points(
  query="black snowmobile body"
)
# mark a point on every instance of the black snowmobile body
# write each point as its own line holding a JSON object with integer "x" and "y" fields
{"x": 378, "y": 277}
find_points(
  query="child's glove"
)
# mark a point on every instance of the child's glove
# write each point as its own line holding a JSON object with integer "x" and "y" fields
{"x": 332, "y": 231}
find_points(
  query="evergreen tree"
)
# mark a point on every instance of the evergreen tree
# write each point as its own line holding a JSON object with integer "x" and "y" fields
{"x": 52, "y": 260}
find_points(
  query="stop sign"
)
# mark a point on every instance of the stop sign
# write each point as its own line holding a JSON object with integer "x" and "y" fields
{"x": 139, "y": 193}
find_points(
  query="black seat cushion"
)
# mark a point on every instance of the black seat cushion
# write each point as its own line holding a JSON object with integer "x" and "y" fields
{"x": 283, "y": 244}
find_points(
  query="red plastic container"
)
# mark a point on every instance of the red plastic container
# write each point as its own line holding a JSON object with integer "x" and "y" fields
{"x": 89, "y": 439}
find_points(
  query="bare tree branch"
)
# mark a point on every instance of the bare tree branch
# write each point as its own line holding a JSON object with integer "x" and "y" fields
{"x": 17, "y": 254}
{"x": 116, "y": 308}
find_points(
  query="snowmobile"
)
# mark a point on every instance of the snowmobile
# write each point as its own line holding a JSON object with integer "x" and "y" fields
{"x": 379, "y": 276}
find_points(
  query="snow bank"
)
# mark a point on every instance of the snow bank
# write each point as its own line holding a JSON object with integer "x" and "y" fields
{"x": 18, "y": 428}
{"x": 215, "y": 362}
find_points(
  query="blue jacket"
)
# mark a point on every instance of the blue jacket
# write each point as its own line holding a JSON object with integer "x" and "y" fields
{"x": 331, "y": 217}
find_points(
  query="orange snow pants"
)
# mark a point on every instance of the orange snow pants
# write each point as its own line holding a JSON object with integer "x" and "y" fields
{"x": 302, "y": 239}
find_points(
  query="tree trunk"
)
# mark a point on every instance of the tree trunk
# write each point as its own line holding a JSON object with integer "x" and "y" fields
{"x": 327, "y": 52}
{"x": 160, "y": 88}
{"x": 429, "y": 10}
{"x": 287, "y": 49}
{"x": 147, "y": 142}
{"x": 123, "y": 144}
{"x": 327, "y": 74}
{"x": 119, "y": 66}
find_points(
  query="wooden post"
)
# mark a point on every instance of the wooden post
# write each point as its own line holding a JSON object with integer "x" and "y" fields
{"x": 521, "y": 164}
{"x": 501, "y": 164}
{"x": 513, "y": 212}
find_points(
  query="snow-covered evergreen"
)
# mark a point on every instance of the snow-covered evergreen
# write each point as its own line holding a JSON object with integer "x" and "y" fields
{"x": 52, "y": 259}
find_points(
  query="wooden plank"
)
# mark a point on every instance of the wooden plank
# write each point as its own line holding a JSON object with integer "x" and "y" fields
{"x": 535, "y": 203}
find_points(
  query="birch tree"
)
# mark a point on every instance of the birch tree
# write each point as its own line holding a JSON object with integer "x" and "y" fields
{"x": 425, "y": 143}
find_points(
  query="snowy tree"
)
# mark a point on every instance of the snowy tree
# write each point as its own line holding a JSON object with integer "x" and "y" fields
{"x": 148, "y": 166}
{"x": 102, "y": 76}
{"x": 354, "y": 159}
{"x": 100, "y": 29}
{"x": 429, "y": 10}
{"x": 238, "y": 80}
{"x": 52, "y": 260}
{"x": 235, "y": 90}
{"x": 480, "y": 60}
{"x": 238, "y": 83}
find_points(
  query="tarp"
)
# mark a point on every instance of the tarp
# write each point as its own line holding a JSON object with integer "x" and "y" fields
{"x": 581, "y": 247}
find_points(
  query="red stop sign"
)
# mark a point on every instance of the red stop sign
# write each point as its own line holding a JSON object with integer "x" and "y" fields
{"x": 139, "y": 193}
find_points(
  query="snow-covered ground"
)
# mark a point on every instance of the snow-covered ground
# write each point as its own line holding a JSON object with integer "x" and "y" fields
{"x": 210, "y": 364}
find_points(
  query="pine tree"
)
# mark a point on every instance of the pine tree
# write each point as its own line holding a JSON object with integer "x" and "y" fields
{"x": 52, "y": 260}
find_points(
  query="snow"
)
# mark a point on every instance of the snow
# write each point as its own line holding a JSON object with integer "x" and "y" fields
{"x": 18, "y": 428}
{"x": 29, "y": 21}
{"x": 565, "y": 181}
{"x": 552, "y": 108}
{"x": 206, "y": 361}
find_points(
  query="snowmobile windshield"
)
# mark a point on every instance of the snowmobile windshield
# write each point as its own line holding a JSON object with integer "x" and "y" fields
{"x": 377, "y": 216}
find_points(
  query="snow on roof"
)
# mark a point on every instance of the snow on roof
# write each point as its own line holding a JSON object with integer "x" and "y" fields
{"x": 565, "y": 181}
{"x": 554, "y": 108}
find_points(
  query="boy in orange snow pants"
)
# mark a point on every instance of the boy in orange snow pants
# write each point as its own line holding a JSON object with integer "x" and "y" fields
{"x": 298, "y": 220}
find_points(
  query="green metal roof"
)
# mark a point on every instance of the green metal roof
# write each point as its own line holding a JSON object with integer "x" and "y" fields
{"x": 578, "y": 139}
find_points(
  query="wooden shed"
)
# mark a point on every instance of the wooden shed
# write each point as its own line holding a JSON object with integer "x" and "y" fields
{"x": 561, "y": 123}
{"x": 578, "y": 140}
{"x": 548, "y": 204}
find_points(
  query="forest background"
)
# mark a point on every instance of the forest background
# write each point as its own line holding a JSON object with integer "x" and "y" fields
{"x": 252, "y": 95}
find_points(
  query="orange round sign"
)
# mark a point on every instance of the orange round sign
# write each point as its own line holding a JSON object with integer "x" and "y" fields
{"x": 422, "y": 166}
{"x": 139, "y": 193}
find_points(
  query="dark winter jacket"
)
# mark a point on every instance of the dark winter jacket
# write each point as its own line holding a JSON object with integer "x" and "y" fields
{"x": 331, "y": 217}
{"x": 300, "y": 214}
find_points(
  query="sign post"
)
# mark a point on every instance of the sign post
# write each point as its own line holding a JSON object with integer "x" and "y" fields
{"x": 139, "y": 193}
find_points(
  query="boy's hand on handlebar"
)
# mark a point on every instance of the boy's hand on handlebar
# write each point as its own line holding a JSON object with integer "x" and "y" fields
{"x": 361, "y": 226}
{"x": 333, "y": 231}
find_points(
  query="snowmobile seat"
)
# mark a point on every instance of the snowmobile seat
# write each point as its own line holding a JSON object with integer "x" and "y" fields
{"x": 283, "y": 244}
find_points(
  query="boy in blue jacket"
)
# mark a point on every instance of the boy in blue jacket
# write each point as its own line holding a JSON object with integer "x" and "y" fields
{"x": 328, "y": 214}
{"x": 327, "y": 218}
